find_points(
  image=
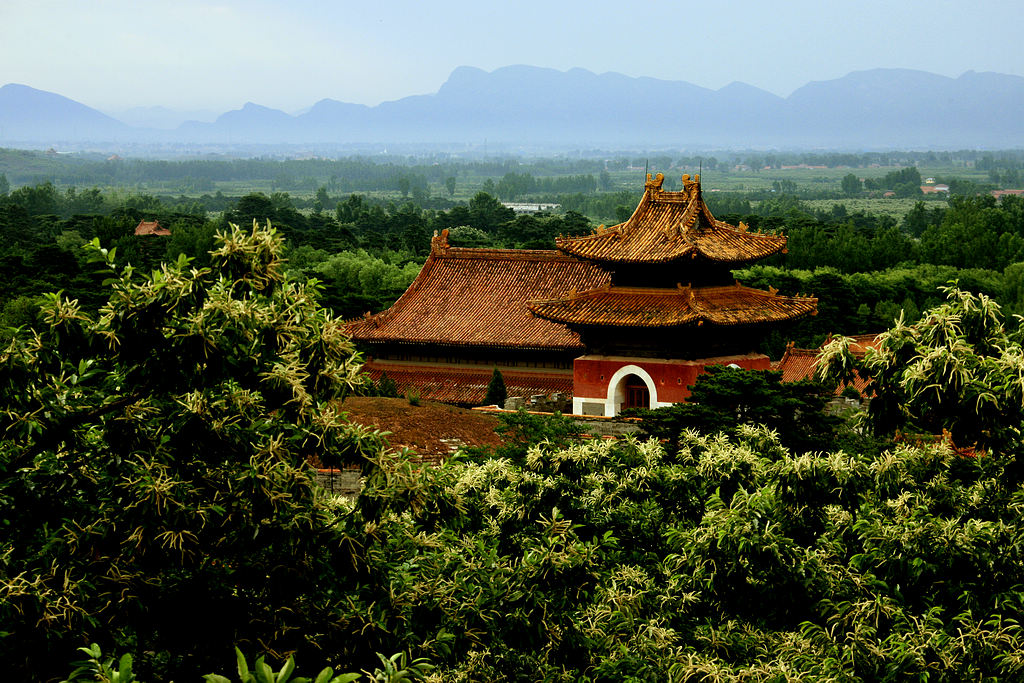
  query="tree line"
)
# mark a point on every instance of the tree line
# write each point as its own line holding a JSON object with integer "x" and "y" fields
{"x": 865, "y": 268}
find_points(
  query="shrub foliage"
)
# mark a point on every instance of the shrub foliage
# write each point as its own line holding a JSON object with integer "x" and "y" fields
{"x": 152, "y": 468}
{"x": 156, "y": 503}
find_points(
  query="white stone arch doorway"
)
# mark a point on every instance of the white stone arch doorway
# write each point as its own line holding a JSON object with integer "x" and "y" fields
{"x": 624, "y": 383}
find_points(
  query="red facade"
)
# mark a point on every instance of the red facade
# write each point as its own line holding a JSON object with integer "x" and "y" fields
{"x": 602, "y": 384}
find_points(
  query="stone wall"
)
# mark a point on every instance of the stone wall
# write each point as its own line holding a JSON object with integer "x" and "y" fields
{"x": 345, "y": 482}
{"x": 541, "y": 403}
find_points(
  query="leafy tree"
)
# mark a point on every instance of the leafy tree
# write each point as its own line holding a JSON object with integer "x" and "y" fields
{"x": 154, "y": 483}
{"x": 468, "y": 236}
{"x": 729, "y": 558}
{"x": 496, "y": 392}
{"x": 851, "y": 185}
{"x": 723, "y": 398}
{"x": 36, "y": 199}
{"x": 449, "y": 184}
{"x": 956, "y": 369}
{"x": 322, "y": 199}
{"x": 386, "y": 387}
{"x": 404, "y": 184}
{"x": 5, "y": 186}
{"x": 487, "y": 213}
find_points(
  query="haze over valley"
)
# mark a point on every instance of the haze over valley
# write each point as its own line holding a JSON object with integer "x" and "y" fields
{"x": 533, "y": 108}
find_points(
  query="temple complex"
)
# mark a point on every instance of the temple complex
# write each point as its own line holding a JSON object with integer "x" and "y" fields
{"x": 625, "y": 317}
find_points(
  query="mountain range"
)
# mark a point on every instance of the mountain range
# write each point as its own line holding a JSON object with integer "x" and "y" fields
{"x": 525, "y": 105}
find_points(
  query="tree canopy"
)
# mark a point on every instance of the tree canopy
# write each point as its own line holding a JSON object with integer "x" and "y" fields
{"x": 153, "y": 462}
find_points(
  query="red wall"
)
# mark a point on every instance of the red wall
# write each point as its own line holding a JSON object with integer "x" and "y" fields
{"x": 672, "y": 378}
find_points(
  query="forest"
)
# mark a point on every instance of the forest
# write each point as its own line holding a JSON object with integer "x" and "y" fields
{"x": 162, "y": 396}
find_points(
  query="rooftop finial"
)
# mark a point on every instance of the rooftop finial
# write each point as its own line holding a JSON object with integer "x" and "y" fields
{"x": 439, "y": 243}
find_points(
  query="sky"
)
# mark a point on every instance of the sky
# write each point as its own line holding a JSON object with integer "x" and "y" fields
{"x": 196, "y": 54}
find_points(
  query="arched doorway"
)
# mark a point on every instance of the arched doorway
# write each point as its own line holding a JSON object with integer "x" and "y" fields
{"x": 630, "y": 387}
{"x": 635, "y": 392}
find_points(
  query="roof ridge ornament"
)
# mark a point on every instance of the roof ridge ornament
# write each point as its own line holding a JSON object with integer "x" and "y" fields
{"x": 656, "y": 183}
{"x": 439, "y": 243}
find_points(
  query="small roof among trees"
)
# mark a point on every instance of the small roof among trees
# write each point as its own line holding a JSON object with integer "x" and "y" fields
{"x": 151, "y": 228}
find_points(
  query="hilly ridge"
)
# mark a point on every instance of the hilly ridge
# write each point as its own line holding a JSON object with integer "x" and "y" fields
{"x": 878, "y": 108}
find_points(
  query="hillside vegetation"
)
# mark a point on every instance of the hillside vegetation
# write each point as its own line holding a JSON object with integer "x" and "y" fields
{"x": 157, "y": 503}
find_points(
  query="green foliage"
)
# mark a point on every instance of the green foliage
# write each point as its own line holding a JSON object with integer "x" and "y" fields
{"x": 851, "y": 185}
{"x": 386, "y": 386}
{"x": 521, "y": 430}
{"x": 723, "y": 398}
{"x": 731, "y": 559}
{"x": 957, "y": 369}
{"x": 496, "y": 392}
{"x": 153, "y": 463}
{"x": 261, "y": 672}
{"x": 394, "y": 669}
{"x": 103, "y": 670}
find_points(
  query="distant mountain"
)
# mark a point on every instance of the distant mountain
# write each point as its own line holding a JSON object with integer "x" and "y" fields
{"x": 525, "y": 105}
{"x": 29, "y": 114}
{"x": 163, "y": 118}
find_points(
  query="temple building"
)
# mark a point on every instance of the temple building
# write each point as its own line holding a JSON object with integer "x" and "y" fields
{"x": 466, "y": 313}
{"x": 625, "y": 317}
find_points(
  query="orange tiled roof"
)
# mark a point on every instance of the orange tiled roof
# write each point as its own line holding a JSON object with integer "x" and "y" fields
{"x": 799, "y": 364}
{"x": 151, "y": 228}
{"x": 467, "y": 385}
{"x": 860, "y": 343}
{"x": 671, "y": 225}
{"x": 477, "y": 297}
{"x": 650, "y": 307}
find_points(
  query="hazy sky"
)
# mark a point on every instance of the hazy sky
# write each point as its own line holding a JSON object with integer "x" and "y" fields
{"x": 195, "y": 54}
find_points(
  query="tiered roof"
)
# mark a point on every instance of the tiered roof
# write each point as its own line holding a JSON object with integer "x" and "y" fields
{"x": 652, "y": 307}
{"x": 673, "y": 229}
{"x": 668, "y": 226}
{"x": 477, "y": 298}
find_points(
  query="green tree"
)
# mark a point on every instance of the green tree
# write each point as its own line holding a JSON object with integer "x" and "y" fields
{"x": 321, "y": 200}
{"x": 723, "y": 398}
{"x": 956, "y": 369}
{"x": 449, "y": 184}
{"x": 851, "y": 185}
{"x": 496, "y": 392}
{"x": 154, "y": 484}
